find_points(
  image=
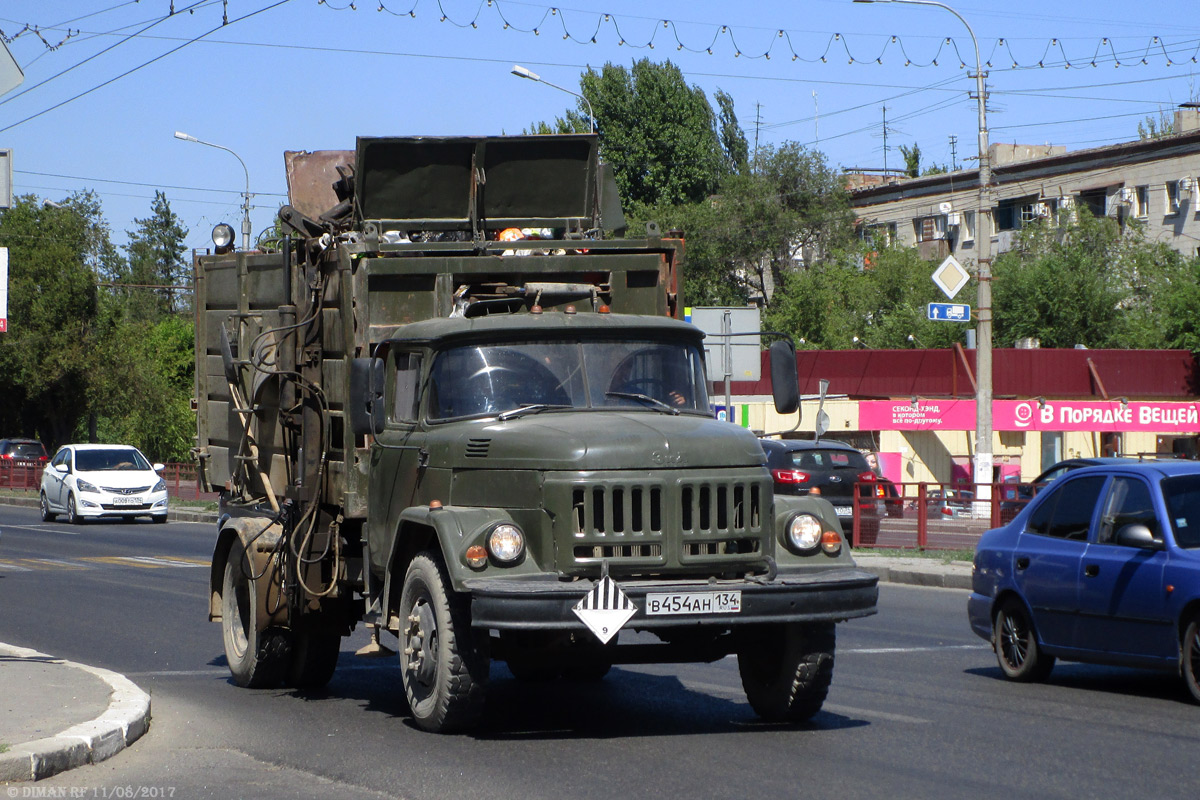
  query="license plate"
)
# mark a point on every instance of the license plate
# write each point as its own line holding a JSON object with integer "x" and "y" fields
{"x": 127, "y": 501}
{"x": 844, "y": 511}
{"x": 694, "y": 603}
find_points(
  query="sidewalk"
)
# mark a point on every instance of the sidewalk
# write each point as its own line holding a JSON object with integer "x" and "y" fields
{"x": 915, "y": 571}
{"x": 56, "y": 715}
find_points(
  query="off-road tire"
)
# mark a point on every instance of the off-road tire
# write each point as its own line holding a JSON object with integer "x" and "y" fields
{"x": 443, "y": 663}
{"x": 1190, "y": 657}
{"x": 314, "y": 659}
{"x": 72, "y": 513}
{"x": 47, "y": 514}
{"x": 586, "y": 669}
{"x": 1015, "y": 642}
{"x": 257, "y": 659}
{"x": 786, "y": 670}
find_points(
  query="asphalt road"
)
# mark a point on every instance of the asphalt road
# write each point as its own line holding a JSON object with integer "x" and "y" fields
{"x": 917, "y": 707}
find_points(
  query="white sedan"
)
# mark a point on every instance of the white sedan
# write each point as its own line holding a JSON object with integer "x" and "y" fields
{"x": 102, "y": 480}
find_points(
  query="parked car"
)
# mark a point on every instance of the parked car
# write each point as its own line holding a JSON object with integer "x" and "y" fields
{"x": 99, "y": 480}
{"x": 949, "y": 503}
{"x": 829, "y": 469}
{"x": 17, "y": 455}
{"x": 1102, "y": 566}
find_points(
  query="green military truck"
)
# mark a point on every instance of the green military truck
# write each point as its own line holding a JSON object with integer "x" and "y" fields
{"x": 445, "y": 405}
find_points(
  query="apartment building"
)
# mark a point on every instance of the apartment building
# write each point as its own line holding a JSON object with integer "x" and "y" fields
{"x": 1155, "y": 181}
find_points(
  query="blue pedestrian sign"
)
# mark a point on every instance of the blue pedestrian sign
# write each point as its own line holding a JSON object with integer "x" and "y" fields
{"x": 952, "y": 312}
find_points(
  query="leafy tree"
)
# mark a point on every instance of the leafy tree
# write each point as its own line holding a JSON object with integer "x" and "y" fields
{"x": 733, "y": 140}
{"x": 658, "y": 133}
{"x": 912, "y": 159}
{"x": 1091, "y": 282}
{"x": 46, "y": 357}
{"x": 1156, "y": 127}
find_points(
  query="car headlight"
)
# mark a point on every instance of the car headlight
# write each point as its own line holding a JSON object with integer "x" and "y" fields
{"x": 161, "y": 486}
{"x": 84, "y": 486}
{"x": 506, "y": 543}
{"x": 804, "y": 532}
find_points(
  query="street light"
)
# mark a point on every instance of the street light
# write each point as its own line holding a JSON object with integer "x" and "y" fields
{"x": 245, "y": 195}
{"x": 983, "y": 244}
{"x": 522, "y": 72}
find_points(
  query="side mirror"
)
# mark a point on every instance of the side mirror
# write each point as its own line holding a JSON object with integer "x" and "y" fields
{"x": 63, "y": 468}
{"x": 785, "y": 383}
{"x": 1138, "y": 535}
{"x": 158, "y": 467}
{"x": 366, "y": 396}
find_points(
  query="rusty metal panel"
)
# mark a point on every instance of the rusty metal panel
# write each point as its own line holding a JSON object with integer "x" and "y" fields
{"x": 310, "y": 179}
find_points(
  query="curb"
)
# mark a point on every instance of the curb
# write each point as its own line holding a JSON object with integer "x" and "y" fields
{"x": 173, "y": 514}
{"x": 125, "y": 720}
{"x": 956, "y": 575}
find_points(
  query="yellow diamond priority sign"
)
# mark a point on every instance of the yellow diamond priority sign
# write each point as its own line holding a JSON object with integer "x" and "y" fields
{"x": 951, "y": 276}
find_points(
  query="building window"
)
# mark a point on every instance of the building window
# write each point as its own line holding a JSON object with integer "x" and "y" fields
{"x": 878, "y": 235}
{"x": 1012, "y": 214}
{"x": 968, "y": 226}
{"x": 930, "y": 228}
{"x": 1141, "y": 201}
{"x": 1096, "y": 201}
{"x": 1172, "y": 197}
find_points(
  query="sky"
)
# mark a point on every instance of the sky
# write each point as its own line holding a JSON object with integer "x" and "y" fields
{"x": 108, "y": 82}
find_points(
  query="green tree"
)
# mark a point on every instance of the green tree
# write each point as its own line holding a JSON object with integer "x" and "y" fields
{"x": 47, "y": 355}
{"x": 156, "y": 264}
{"x": 1089, "y": 281}
{"x": 658, "y": 133}
{"x": 733, "y": 140}
{"x": 912, "y": 159}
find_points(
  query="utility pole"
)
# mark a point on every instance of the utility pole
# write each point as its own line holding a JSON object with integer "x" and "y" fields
{"x": 757, "y": 123}
{"x": 885, "y": 144}
{"x": 953, "y": 153}
{"x": 816, "y": 119}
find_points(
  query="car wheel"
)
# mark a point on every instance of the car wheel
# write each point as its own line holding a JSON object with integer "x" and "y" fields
{"x": 47, "y": 514}
{"x": 159, "y": 518}
{"x": 1191, "y": 657}
{"x": 1016, "y": 645}
{"x": 72, "y": 514}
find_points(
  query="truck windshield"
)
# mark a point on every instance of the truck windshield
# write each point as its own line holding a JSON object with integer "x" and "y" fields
{"x": 493, "y": 379}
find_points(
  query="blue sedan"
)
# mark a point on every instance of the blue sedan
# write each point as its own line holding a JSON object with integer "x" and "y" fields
{"x": 1102, "y": 566}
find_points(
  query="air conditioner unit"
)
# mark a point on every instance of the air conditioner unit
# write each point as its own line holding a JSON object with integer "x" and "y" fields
{"x": 1185, "y": 184}
{"x": 1126, "y": 194}
{"x": 953, "y": 219}
{"x": 1066, "y": 201}
{"x": 1041, "y": 210}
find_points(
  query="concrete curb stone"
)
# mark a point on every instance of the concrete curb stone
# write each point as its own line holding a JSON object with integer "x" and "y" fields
{"x": 125, "y": 720}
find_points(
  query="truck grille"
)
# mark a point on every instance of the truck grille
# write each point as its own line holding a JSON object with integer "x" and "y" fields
{"x": 658, "y": 523}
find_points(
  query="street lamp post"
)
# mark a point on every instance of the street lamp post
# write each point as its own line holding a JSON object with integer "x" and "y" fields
{"x": 245, "y": 195}
{"x": 522, "y": 72}
{"x": 983, "y": 244}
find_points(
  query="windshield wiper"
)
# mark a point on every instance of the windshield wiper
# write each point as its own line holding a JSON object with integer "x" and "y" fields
{"x": 659, "y": 404}
{"x": 513, "y": 413}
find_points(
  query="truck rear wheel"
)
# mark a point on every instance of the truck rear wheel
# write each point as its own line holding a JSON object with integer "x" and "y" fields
{"x": 314, "y": 659}
{"x": 257, "y": 659}
{"x": 443, "y": 663}
{"x": 786, "y": 670}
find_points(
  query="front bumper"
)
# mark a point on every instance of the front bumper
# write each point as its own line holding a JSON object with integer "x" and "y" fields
{"x": 103, "y": 504}
{"x": 826, "y": 596}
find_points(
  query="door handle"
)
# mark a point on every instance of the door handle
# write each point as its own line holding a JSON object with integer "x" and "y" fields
{"x": 1091, "y": 570}
{"x": 1022, "y": 562}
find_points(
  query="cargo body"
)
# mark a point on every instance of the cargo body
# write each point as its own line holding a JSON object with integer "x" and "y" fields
{"x": 450, "y": 409}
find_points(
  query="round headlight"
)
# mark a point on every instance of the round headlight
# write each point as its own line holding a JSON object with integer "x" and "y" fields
{"x": 222, "y": 237}
{"x": 804, "y": 532}
{"x": 506, "y": 543}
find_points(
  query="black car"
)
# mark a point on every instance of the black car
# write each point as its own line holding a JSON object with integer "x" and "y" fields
{"x": 829, "y": 469}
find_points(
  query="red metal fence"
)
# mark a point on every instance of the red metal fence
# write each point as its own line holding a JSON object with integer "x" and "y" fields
{"x": 930, "y": 515}
{"x": 182, "y": 480}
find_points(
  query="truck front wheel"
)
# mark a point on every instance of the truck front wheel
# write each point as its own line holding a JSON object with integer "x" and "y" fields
{"x": 444, "y": 665}
{"x": 257, "y": 659}
{"x": 786, "y": 670}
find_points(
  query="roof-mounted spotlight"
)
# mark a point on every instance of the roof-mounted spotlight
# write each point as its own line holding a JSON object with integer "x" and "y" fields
{"x": 222, "y": 237}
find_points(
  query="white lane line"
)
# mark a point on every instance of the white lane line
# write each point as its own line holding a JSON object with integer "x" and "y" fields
{"x": 9, "y": 566}
{"x": 893, "y": 650}
{"x": 46, "y": 527}
{"x": 737, "y": 693}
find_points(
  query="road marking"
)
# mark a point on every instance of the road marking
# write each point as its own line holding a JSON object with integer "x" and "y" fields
{"x": 46, "y": 527}
{"x": 893, "y": 650}
{"x": 729, "y": 691}
{"x": 12, "y": 566}
{"x": 53, "y": 563}
{"x": 148, "y": 562}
